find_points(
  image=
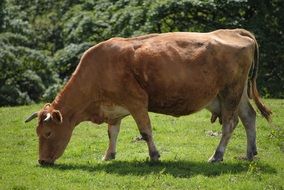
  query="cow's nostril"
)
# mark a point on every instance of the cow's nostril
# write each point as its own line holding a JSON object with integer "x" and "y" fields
{"x": 45, "y": 163}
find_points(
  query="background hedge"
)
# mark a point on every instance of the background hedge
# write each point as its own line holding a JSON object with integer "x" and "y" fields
{"x": 41, "y": 41}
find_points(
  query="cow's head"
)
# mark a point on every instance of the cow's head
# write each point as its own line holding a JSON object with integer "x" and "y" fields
{"x": 54, "y": 133}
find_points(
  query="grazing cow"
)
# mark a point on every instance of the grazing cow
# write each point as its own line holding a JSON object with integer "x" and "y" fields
{"x": 175, "y": 74}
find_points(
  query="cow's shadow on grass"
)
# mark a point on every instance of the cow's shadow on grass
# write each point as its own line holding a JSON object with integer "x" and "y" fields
{"x": 180, "y": 168}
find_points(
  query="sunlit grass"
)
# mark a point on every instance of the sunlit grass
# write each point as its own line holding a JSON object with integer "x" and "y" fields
{"x": 183, "y": 142}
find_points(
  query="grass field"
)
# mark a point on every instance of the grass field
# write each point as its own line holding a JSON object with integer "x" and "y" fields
{"x": 184, "y": 144}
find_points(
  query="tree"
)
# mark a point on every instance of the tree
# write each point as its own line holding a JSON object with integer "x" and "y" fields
{"x": 2, "y": 14}
{"x": 42, "y": 42}
{"x": 66, "y": 60}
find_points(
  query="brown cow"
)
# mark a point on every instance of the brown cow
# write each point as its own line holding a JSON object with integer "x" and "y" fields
{"x": 173, "y": 73}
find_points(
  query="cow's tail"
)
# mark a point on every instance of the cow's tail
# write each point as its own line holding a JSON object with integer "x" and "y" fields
{"x": 252, "y": 87}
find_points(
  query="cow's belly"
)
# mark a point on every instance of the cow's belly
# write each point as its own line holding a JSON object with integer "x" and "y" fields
{"x": 181, "y": 104}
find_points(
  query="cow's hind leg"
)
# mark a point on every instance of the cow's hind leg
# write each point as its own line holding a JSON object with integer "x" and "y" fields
{"x": 229, "y": 102}
{"x": 248, "y": 117}
{"x": 230, "y": 121}
{"x": 144, "y": 125}
{"x": 113, "y": 130}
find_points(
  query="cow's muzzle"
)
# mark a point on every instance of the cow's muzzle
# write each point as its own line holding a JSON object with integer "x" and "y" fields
{"x": 45, "y": 163}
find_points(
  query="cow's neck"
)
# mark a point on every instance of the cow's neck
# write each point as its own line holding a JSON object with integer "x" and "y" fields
{"x": 72, "y": 102}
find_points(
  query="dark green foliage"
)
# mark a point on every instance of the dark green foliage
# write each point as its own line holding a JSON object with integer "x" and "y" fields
{"x": 14, "y": 39}
{"x": 268, "y": 25}
{"x": 2, "y": 13}
{"x": 51, "y": 92}
{"x": 42, "y": 41}
{"x": 66, "y": 60}
{"x": 10, "y": 93}
{"x": 27, "y": 75}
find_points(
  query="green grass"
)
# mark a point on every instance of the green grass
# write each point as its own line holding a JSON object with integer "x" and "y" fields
{"x": 183, "y": 142}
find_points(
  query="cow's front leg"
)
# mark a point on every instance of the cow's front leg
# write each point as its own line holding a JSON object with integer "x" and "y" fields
{"x": 113, "y": 130}
{"x": 143, "y": 122}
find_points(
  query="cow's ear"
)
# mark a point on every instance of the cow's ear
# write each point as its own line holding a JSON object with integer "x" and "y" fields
{"x": 56, "y": 116}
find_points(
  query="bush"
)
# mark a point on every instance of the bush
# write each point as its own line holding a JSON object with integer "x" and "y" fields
{"x": 10, "y": 94}
{"x": 51, "y": 92}
{"x": 27, "y": 75}
{"x": 67, "y": 59}
{"x": 41, "y": 41}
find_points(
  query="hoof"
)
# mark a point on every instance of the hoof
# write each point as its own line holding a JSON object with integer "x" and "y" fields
{"x": 109, "y": 157}
{"x": 217, "y": 157}
{"x": 215, "y": 160}
{"x": 250, "y": 155}
{"x": 154, "y": 156}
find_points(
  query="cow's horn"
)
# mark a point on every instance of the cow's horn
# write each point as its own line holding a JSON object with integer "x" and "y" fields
{"x": 48, "y": 117}
{"x": 34, "y": 115}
